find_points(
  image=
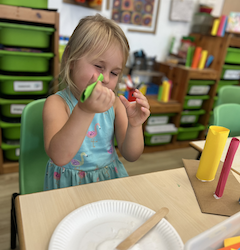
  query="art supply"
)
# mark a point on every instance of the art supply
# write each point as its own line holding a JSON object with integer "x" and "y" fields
{"x": 189, "y": 57}
{"x": 196, "y": 57}
{"x": 160, "y": 90}
{"x": 143, "y": 229}
{"x": 221, "y": 25}
{"x": 165, "y": 93}
{"x": 215, "y": 27}
{"x": 88, "y": 91}
{"x": 203, "y": 59}
{"x": 212, "y": 152}
{"x": 226, "y": 167}
{"x": 224, "y": 26}
{"x": 230, "y": 241}
{"x": 209, "y": 61}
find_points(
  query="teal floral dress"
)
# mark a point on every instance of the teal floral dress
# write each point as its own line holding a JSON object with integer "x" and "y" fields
{"x": 95, "y": 161}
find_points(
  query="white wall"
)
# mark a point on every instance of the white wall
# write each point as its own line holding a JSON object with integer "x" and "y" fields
{"x": 152, "y": 44}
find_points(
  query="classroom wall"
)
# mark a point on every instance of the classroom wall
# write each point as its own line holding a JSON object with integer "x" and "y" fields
{"x": 152, "y": 44}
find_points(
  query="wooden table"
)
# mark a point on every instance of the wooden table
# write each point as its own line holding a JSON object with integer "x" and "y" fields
{"x": 199, "y": 145}
{"x": 38, "y": 214}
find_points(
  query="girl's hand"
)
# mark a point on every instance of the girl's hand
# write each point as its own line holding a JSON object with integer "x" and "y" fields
{"x": 101, "y": 100}
{"x": 138, "y": 111}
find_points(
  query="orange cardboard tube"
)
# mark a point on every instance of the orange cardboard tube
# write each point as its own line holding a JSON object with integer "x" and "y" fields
{"x": 196, "y": 57}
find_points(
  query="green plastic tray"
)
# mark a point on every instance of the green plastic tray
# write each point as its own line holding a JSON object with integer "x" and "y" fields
{"x": 24, "y": 85}
{"x": 12, "y": 108}
{"x": 194, "y": 102}
{"x": 25, "y": 35}
{"x": 24, "y": 61}
{"x": 158, "y": 139}
{"x": 11, "y": 152}
{"x": 188, "y": 117}
{"x": 10, "y": 131}
{"x": 156, "y": 119}
{"x": 225, "y": 82}
{"x": 199, "y": 87}
{"x": 38, "y": 4}
{"x": 190, "y": 133}
{"x": 233, "y": 68}
{"x": 233, "y": 56}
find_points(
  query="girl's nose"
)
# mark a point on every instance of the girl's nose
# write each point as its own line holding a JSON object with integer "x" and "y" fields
{"x": 106, "y": 78}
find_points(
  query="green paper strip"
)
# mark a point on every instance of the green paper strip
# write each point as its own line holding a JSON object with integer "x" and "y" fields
{"x": 88, "y": 91}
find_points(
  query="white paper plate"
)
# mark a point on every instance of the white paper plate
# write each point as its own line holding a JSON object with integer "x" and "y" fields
{"x": 109, "y": 222}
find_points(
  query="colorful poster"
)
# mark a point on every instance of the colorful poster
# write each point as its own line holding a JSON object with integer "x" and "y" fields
{"x": 138, "y": 12}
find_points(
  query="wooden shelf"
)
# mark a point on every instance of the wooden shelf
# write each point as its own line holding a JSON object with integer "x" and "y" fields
{"x": 235, "y": 41}
{"x": 157, "y": 107}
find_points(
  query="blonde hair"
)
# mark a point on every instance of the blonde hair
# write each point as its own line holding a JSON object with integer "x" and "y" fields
{"x": 93, "y": 33}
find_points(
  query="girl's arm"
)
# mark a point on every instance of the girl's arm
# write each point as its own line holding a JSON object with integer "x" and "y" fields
{"x": 64, "y": 133}
{"x": 129, "y": 117}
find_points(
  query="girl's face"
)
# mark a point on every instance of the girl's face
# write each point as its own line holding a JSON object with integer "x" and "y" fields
{"x": 87, "y": 69}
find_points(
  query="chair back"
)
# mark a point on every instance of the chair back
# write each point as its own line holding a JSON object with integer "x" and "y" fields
{"x": 33, "y": 158}
{"x": 228, "y": 94}
{"x": 227, "y": 115}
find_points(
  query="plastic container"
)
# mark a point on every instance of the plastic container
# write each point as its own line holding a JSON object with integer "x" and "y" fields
{"x": 233, "y": 56}
{"x": 189, "y": 133}
{"x": 214, "y": 237}
{"x": 24, "y": 85}
{"x": 38, "y": 4}
{"x": 190, "y": 117}
{"x": 10, "y": 131}
{"x": 230, "y": 72}
{"x": 15, "y": 61}
{"x": 19, "y": 35}
{"x": 156, "y": 119}
{"x": 194, "y": 102}
{"x": 199, "y": 87}
{"x": 222, "y": 83}
{"x": 158, "y": 139}
{"x": 12, "y": 108}
{"x": 11, "y": 152}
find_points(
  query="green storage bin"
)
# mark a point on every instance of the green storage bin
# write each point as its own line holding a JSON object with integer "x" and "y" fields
{"x": 199, "y": 87}
{"x": 225, "y": 83}
{"x": 156, "y": 119}
{"x": 38, "y": 4}
{"x": 233, "y": 56}
{"x": 194, "y": 102}
{"x": 24, "y": 85}
{"x": 11, "y": 152}
{"x": 189, "y": 133}
{"x": 230, "y": 72}
{"x": 188, "y": 117}
{"x": 12, "y": 108}
{"x": 158, "y": 139}
{"x": 215, "y": 98}
{"x": 19, "y": 35}
{"x": 10, "y": 131}
{"x": 24, "y": 61}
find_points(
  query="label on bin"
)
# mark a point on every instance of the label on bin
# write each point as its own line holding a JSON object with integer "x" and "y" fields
{"x": 20, "y": 86}
{"x": 194, "y": 102}
{"x": 160, "y": 138}
{"x": 154, "y": 120}
{"x": 17, "y": 151}
{"x": 199, "y": 90}
{"x": 232, "y": 74}
{"x": 17, "y": 109}
{"x": 188, "y": 118}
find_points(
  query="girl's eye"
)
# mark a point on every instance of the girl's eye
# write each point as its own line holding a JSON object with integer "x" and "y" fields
{"x": 114, "y": 74}
{"x": 98, "y": 66}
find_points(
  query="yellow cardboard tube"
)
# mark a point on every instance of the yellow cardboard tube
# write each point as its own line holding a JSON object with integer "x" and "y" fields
{"x": 212, "y": 152}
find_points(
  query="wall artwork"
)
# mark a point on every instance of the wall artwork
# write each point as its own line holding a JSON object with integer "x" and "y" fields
{"x": 141, "y": 15}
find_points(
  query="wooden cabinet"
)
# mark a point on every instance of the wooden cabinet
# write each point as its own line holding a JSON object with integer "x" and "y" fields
{"x": 38, "y": 17}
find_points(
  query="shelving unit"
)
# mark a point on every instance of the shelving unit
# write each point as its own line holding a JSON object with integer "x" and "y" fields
{"x": 45, "y": 18}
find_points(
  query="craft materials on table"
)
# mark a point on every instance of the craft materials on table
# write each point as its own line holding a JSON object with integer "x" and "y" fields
{"x": 226, "y": 167}
{"x": 211, "y": 155}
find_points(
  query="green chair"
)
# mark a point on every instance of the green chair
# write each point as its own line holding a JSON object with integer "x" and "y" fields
{"x": 229, "y": 94}
{"x": 227, "y": 115}
{"x": 32, "y": 159}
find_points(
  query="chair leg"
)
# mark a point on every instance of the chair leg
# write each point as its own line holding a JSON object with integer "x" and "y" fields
{"x": 13, "y": 222}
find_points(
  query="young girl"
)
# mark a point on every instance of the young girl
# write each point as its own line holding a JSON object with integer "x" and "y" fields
{"x": 79, "y": 136}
